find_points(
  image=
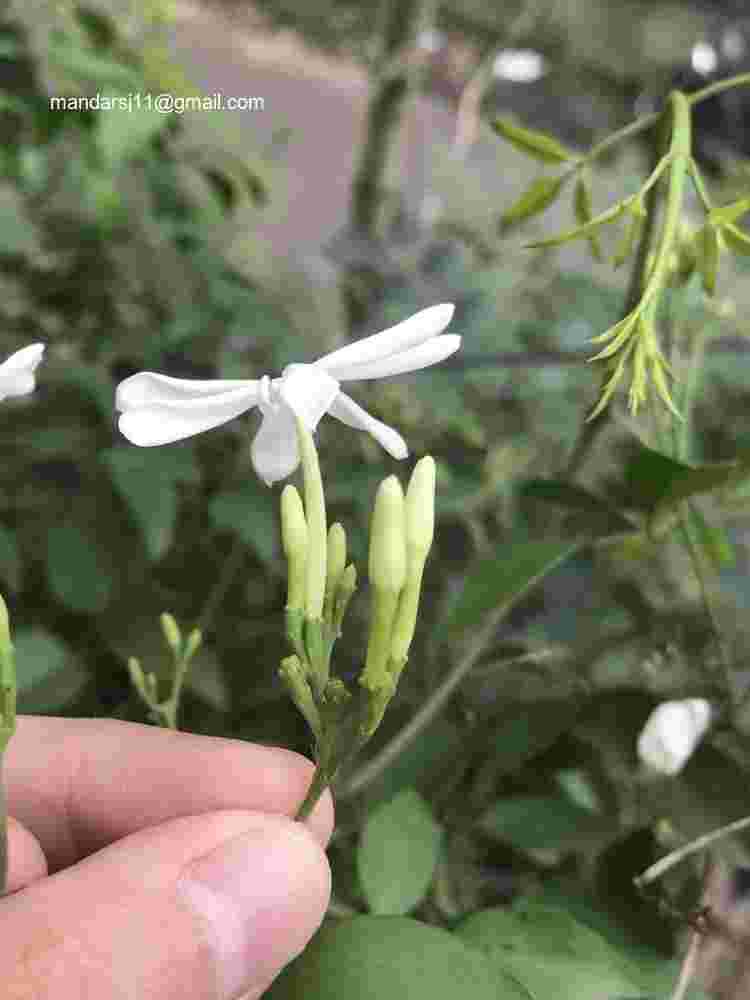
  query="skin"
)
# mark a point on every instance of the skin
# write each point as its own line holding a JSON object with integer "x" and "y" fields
{"x": 126, "y": 843}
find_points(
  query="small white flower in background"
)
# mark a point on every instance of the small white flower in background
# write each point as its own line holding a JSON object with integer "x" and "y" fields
{"x": 157, "y": 409}
{"x": 17, "y": 373}
{"x": 672, "y": 732}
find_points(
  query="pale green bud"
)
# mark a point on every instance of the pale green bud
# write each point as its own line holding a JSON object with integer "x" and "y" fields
{"x": 387, "y": 564}
{"x": 294, "y": 543}
{"x": 171, "y": 632}
{"x": 344, "y": 592}
{"x": 315, "y": 509}
{"x": 336, "y": 564}
{"x": 387, "y": 575}
{"x": 292, "y": 674}
{"x": 193, "y": 644}
{"x": 420, "y": 510}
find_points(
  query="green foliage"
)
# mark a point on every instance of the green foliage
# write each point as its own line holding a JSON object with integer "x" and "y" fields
{"x": 76, "y": 573}
{"x": 249, "y": 511}
{"x": 398, "y": 853}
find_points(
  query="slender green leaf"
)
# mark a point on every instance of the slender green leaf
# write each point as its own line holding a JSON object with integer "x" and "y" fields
{"x": 600, "y": 517}
{"x": 585, "y": 230}
{"x": 397, "y": 853}
{"x": 538, "y": 196}
{"x": 736, "y": 239}
{"x": 584, "y": 212}
{"x": 500, "y": 580}
{"x": 537, "y": 144}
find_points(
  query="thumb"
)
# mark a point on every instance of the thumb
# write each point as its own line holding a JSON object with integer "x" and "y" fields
{"x": 211, "y": 907}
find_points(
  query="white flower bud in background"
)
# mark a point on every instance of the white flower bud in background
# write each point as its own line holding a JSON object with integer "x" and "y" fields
{"x": 17, "y": 373}
{"x": 671, "y": 734}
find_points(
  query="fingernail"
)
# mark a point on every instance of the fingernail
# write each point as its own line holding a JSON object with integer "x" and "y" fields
{"x": 260, "y": 897}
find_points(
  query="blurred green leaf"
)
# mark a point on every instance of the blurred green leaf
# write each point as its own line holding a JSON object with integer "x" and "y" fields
{"x": 712, "y": 539}
{"x": 18, "y": 234}
{"x": 147, "y": 481}
{"x": 503, "y": 578}
{"x": 599, "y": 518}
{"x": 537, "y": 144}
{"x": 122, "y": 133}
{"x": 397, "y": 854}
{"x": 369, "y": 958}
{"x": 533, "y": 822}
{"x": 10, "y": 559}
{"x": 249, "y": 510}
{"x": 49, "y": 678}
{"x": 584, "y": 212}
{"x": 75, "y": 569}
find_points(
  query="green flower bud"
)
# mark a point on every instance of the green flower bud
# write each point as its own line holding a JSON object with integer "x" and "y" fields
{"x": 387, "y": 564}
{"x": 315, "y": 509}
{"x": 193, "y": 644}
{"x": 292, "y": 674}
{"x": 336, "y": 564}
{"x": 344, "y": 592}
{"x": 420, "y": 530}
{"x": 387, "y": 576}
{"x": 294, "y": 543}
{"x": 171, "y": 632}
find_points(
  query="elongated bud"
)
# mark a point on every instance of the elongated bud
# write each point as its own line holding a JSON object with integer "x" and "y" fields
{"x": 420, "y": 530}
{"x": 315, "y": 508}
{"x": 671, "y": 734}
{"x": 193, "y": 643}
{"x": 7, "y": 680}
{"x": 387, "y": 575}
{"x": 387, "y": 564}
{"x": 171, "y": 632}
{"x": 336, "y": 564}
{"x": 294, "y": 543}
{"x": 344, "y": 593}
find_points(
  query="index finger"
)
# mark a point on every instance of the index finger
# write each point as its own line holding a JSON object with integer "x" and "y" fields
{"x": 79, "y": 784}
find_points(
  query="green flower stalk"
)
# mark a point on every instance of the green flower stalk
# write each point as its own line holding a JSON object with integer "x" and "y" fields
{"x": 321, "y": 586}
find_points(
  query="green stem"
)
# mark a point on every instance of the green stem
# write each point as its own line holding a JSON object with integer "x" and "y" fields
{"x": 401, "y": 21}
{"x": 664, "y": 864}
{"x": 318, "y": 785}
{"x": 719, "y": 87}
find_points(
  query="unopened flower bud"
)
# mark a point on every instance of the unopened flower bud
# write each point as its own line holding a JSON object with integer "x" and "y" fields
{"x": 315, "y": 509}
{"x": 294, "y": 543}
{"x": 336, "y": 564}
{"x": 672, "y": 732}
{"x": 387, "y": 564}
{"x": 171, "y": 631}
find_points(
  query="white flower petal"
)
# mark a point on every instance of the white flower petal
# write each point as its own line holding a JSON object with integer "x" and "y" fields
{"x": 168, "y": 421}
{"x": 152, "y": 389}
{"x": 309, "y": 391}
{"x": 411, "y": 332}
{"x": 430, "y": 353}
{"x": 17, "y": 372}
{"x": 348, "y": 412}
{"x": 672, "y": 732}
{"x": 274, "y": 450}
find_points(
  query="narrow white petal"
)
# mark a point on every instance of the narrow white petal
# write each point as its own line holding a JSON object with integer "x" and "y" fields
{"x": 152, "y": 389}
{"x": 168, "y": 421}
{"x": 274, "y": 451}
{"x": 415, "y": 330}
{"x": 348, "y": 412}
{"x": 308, "y": 391}
{"x": 17, "y": 372}
{"x": 430, "y": 353}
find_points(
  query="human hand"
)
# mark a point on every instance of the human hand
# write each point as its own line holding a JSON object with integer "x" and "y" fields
{"x": 146, "y": 863}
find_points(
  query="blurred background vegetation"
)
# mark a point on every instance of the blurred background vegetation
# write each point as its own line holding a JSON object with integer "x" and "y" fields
{"x": 218, "y": 244}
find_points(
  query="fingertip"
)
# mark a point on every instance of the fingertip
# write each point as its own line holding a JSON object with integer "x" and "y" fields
{"x": 26, "y": 860}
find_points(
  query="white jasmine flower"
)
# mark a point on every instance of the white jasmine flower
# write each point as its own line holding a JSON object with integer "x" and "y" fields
{"x": 672, "y": 732}
{"x": 156, "y": 409}
{"x": 17, "y": 373}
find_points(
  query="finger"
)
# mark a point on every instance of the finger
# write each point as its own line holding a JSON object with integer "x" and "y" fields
{"x": 210, "y": 907}
{"x": 79, "y": 784}
{"x": 26, "y": 861}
